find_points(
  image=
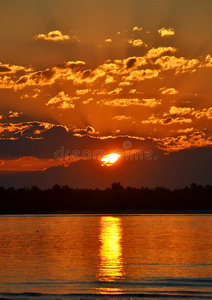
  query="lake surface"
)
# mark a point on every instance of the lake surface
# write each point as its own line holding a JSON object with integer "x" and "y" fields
{"x": 127, "y": 256}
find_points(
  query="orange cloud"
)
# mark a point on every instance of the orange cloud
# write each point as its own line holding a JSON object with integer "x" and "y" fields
{"x": 168, "y": 121}
{"x": 204, "y": 113}
{"x": 137, "y": 28}
{"x": 121, "y": 118}
{"x": 80, "y": 132}
{"x": 62, "y": 100}
{"x": 180, "y": 110}
{"x": 31, "y": 163}
{"x": 166, "y": 31}
{"x": 156, "y": 52}
{"x": 87, "y": 101}
{"x": 208, "y": 61}
{"x": 30, "y": 130}
{"x": 139, "y": 75}
{"x": 181, "y": 64}
{"x": 54, "y": 36}
{"x": 124, "y": 102}
{"x": 12, "y": 69}
{"x": 125, "y": 83}
{"x": 82, "y": 92}
{"x": 136, "y": 43}
{"x": 168, "y": 91}
{"x": 194, "y": 140}
{"x": 115, "y": 92}
{"x": 13, "y": 114}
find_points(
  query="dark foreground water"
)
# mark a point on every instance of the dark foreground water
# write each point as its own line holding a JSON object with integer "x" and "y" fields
{"x": 91, "y": 256}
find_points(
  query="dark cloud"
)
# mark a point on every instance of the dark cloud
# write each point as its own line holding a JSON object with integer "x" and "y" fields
{"x": 22, "y": 80}
{"x": 130, "y": 63}
{"x": 4, "y": 69}
{"x": 162, "y": 171}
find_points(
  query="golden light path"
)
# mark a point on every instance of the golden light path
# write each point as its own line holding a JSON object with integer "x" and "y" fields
{"x": 110, "y": 159}
{"x": 111, "y": 267}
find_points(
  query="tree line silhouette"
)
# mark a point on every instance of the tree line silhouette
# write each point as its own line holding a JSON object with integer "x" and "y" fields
{"x": 117, "y": 199}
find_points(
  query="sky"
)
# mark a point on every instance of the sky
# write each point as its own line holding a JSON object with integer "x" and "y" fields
{"x": 82, "y": 79}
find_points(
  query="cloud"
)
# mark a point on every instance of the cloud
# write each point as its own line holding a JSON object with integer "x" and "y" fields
{"x": 12, "y": 69}
{"x": 157, "y": 52}
{"x": 137, "y": 28}
{"x": 32, "y": 164}
{"x": 186, "y": 130}
{"x": 62, "y": 101}
{"x": 198, "y": 114}
{"x": 125, "y": 83}
{"x": 89, "y": 130}
{"x": 29, "y": 130}
{"x": 108, "y": 41}
{"x": 117, "y": 91}
{"x": 31, "y": 95}
{"x": 204, "y": 113}
{"x": 82, "y": 92}
{"x": 168, "y": 91}
{"x": 87, "y": 101}
{"x": 167, "y": 121}
{"x": 208, "y": 61}
{"x": 125, "y": 102}
{"x": 180, "y": 110}
{"x": 136, "y": 43}
{"x": 13, "y": 114}
{"x": 64, "y": 71}
{"x": 121, "y": 118}
{"x": 181, "y": 64}
{"x": 194, "y": 140}
{"x": 55, "y": 36}
{"x": 166, "y": 31}
{"x": 139, "y": 75}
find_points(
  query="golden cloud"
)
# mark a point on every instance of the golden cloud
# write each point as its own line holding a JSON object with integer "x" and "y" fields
{"x": 13, "y": 114}
{"x": 156, "y": 52}
{"x": 115, "y": 92}
{"x": 167, "y": 121}
{"x": 194, "y": 140}
{"x": 181, "y": 64}
{"x": 124, "y": 102}
{"x": 54, "y": 36}
{"x": 136, "y": 43}
{"x": 63, "y": 101}
{"x": 208, "y": 61}
{"x": 137, "y": 28}
{"x": 180, "y": 110}
{"x": 168, "y": 91}
{"x": 121, "y": 118}
{"x": 82, "y": 92}
{"x": 166, "y": 31}
{"x": 139, "y": 75}
{"x": 12, "y": 69}
{"x": 89, "y": 130}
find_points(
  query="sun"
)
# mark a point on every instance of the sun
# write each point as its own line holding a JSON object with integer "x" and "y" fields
{"x": 110, "y": 159}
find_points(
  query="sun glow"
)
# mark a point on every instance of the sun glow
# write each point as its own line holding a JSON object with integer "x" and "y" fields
{"x": 110, "y": 159}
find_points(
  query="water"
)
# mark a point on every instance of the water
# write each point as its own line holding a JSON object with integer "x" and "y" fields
{"x": 89, "y": 256}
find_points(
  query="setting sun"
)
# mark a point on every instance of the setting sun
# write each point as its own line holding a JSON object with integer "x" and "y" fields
{"x": 110, "y": 159}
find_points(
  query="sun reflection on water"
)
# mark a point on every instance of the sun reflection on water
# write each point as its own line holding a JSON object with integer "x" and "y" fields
{"x": 111, "y": 267}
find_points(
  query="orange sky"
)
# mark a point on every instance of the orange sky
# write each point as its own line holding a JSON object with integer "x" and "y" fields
{"x": 93, "y": 75}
